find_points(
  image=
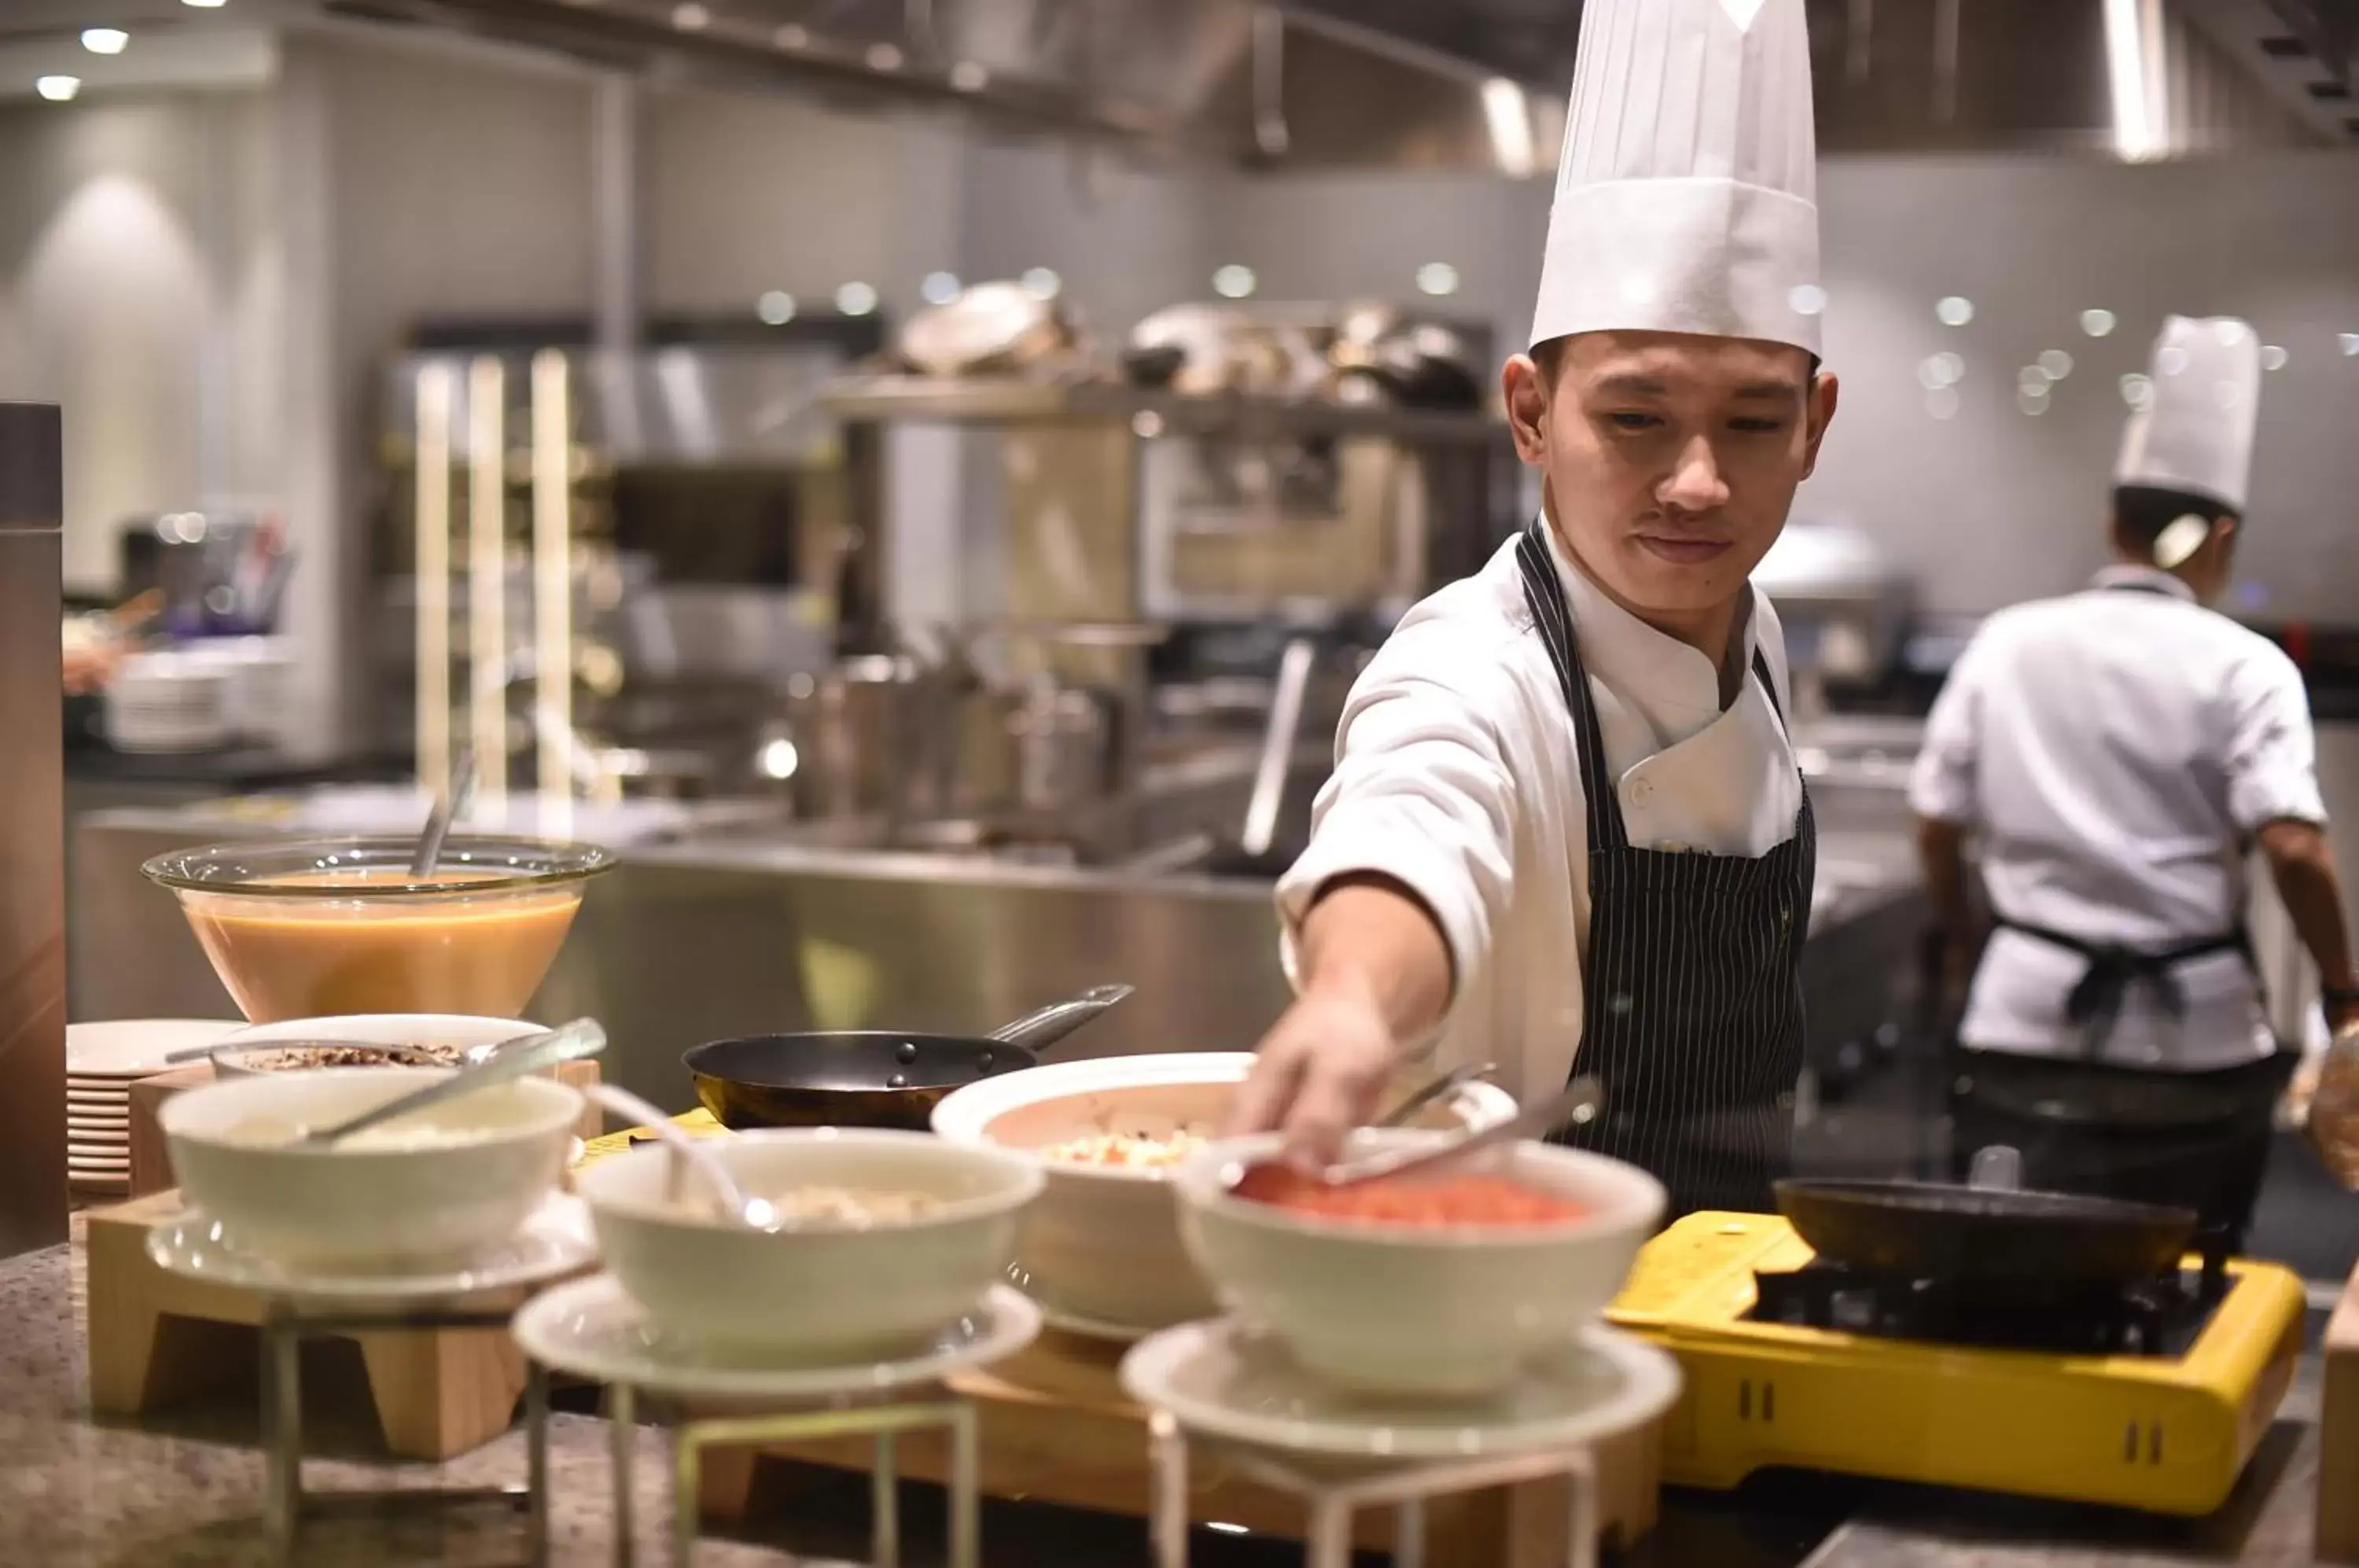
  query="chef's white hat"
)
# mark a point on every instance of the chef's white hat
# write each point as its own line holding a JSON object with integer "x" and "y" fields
{"x": 1686, "y": 200}
{"x": 2194, "y": 432}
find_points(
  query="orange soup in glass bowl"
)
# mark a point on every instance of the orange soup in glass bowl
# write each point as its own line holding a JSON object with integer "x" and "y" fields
{"x": 321, "y": 928}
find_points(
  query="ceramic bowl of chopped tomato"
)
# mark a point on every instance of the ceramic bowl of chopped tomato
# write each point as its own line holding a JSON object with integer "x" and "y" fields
{"x": 1101, "y": 1246}
{"x": 1435, "y": 1286}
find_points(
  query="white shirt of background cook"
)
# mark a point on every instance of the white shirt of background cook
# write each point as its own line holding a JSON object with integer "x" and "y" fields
{"x": 2117, "y": 750}
{"x": 1456, "y": 772}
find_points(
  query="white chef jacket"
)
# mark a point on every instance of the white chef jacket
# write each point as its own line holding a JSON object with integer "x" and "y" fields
{"x": 1457, "y": 773}
{"x": 2117, "y": 750}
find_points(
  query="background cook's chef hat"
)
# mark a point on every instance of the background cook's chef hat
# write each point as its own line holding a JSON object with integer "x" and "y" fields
{"x": 1686, "y": 200}
{"x": 2195, "y": 432}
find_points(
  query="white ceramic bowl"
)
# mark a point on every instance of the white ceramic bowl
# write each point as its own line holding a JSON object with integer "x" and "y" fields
{"x": 812, "y": 1293}
{"x": 460, "y": 1030}
{"x": 352, "y": 1206}
{"x": 1449, "y": 1313}
{"x": 1103, "y": 1244}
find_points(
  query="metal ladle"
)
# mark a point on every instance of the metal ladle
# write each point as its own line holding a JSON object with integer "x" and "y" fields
{"x": 688, "y": 1153}
{"x": 448, "y": 807}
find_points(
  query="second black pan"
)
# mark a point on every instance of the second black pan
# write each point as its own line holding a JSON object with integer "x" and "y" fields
{"x": 878, "y": 1078}
{"x": 1986, "y": 1237}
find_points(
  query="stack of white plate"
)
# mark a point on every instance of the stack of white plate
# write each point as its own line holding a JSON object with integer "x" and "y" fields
{"x": 168, "y": 703}
{"x": 102, "y": 1060}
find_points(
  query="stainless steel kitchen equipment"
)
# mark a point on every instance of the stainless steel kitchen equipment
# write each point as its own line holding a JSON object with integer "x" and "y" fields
{"x": 1844, "y": 606}
{"x": 32, "y": 831}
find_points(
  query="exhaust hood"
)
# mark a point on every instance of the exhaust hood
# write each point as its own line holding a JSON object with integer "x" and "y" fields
{"x": 1468, "y": 83}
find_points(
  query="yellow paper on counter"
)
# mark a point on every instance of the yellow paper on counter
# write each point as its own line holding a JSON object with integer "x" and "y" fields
{"x": 698, "y": 1123}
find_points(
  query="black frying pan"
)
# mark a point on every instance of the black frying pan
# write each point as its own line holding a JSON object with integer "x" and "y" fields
{"x": 879, "y": 1078}
{"x": 1986, "y": 1236}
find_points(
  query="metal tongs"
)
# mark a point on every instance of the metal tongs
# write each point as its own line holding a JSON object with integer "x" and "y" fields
{"x": 1575, "y": 1106}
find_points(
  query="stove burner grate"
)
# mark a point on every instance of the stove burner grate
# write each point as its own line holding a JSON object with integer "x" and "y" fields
{"x": 2162, "y": 1316}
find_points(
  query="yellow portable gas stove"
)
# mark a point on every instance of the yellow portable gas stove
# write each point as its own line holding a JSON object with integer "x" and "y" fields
{"x": 2154, "y": 1401}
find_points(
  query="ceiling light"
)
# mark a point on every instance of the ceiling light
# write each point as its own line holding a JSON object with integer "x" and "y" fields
{"x": 57, "y": 89}
{"x": 855, "y": 299}
{"x": 206, "y": 5}
{"x": 938, "y": 287}
{"x": 1235, "y": 282}
{"x": 2351, "y": 345}
{"x": 104, "y": 40}
{"x": 2055, "y": 363}
{"x": 1438, "y": 278}
{"x": 2097, "y": 323}
{"x": 1942, "y": 403}
{"x": 776, "y": 308}
{"x": 1954, "y": 310}
{"x": 1806, "y": 299}
{"x": 2137, "y": 391}
{"x": 884, "y": 57}
{"x": 2273, "y": 357}
{"x": 1042, "y": 283}
{"x": 970, "y": 76}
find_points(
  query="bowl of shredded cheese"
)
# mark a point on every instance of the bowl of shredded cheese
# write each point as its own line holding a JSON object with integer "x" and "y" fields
{"x": 1102, "y": 1244}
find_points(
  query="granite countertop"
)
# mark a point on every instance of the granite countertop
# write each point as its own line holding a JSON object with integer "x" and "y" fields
{"x": 183, "y": 1490}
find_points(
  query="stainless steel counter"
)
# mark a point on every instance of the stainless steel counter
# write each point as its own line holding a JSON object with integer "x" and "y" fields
{"x": 694, "y": 942}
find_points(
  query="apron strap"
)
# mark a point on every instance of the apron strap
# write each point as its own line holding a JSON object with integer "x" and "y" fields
{"x": 2094, "y": 1005}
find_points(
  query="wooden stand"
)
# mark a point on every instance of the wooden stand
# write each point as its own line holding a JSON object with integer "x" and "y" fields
{"x": 2338, "y": 1434}
{"x": 156, "y": 1339}
{"x": 1057, "y": 1428}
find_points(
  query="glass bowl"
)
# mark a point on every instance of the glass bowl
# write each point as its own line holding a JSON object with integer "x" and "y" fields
{"x": 326, "y": 927}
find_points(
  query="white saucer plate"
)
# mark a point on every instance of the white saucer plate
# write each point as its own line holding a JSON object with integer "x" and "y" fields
{"x": 136, "y": 1048}
{"x": 1225, "y": 1380}
{"x": 591, "y": 1328}
{"x": 1098, "y": 1329}
{"x": 555, "y": 1241}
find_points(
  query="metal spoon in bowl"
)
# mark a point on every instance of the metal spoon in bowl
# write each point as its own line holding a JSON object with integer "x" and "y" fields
{"x": 1449, "y": 1083}
{"x": 448, "y": 807}
{"x": 1576, "y": 1105}
{"x": 688, "y": 1153}
{"x": 513, "y": 1059}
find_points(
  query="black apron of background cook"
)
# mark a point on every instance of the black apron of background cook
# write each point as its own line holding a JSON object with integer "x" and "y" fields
{"x": 2198, "y": 1139}
{"x": 1691, "y": 999}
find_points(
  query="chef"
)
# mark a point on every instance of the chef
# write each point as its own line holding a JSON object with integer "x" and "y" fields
{"x": 2118, "y": 752}
{"x": 1566, "y": 830}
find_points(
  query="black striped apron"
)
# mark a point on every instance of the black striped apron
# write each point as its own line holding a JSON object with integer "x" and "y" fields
{"x": 1692, "y": 1011}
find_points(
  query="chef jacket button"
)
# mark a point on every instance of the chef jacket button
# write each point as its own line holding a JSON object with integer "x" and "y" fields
{"x": 1641, "y": 791}
{"x": 1672, "y": 846}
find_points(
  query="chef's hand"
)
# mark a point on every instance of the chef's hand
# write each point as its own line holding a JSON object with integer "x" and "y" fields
{"x": 1319, "y": 1072}
{"x": 1375, "y": 974}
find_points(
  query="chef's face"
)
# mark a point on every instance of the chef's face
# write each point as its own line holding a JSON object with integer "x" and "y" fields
{"x": 1670, "y": 461}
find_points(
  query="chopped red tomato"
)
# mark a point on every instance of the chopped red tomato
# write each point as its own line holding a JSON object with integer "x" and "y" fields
{"x": 1449, "y": 1201}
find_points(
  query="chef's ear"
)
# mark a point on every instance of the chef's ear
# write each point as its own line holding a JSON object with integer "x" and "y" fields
{"x": 1818, "y": 413}
{"x": 1523, "y": 389}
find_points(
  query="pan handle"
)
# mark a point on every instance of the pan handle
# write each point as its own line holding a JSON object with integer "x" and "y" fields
{"x": 1040, "y": 1029}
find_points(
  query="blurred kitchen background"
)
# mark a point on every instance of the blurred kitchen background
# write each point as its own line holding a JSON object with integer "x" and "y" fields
{"x": 959, "y": 450}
